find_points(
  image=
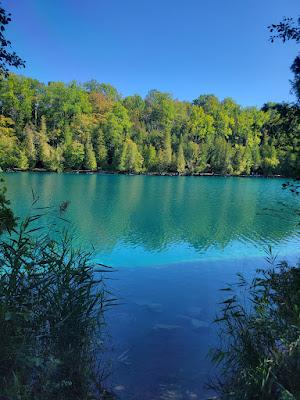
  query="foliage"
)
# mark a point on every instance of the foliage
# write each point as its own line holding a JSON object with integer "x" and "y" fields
{"x": 288, "y": 29}
{"x": 7, "y": 219}
{"x": 260, "y": 337}
{"x": 7, "y": 58}
{"x": 130, "y": 160}
{"x": 90, "y": 126}
{"x": 52, "y": 300}
{"x": 180, "y": 160}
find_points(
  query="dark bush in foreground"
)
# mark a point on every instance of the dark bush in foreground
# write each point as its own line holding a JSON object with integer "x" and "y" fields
{"x": 52, "y": 299}
{"x": 259, "y": 353}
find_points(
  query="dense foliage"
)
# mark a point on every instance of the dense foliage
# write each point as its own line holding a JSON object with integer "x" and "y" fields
{"x": 90, "y": 126}
{"x": 52, "y": 299}
{"x": 260, "y": 348}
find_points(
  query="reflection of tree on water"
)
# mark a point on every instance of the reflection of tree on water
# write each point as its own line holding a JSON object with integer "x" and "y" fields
{"x": 154, "y": 212}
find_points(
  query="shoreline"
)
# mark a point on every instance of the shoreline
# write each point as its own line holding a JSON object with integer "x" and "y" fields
{"x": 108, "y": 172}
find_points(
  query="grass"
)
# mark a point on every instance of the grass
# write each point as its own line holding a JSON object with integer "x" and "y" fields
{"x": 52, "y": 303}
{"x": 259, "y": 352}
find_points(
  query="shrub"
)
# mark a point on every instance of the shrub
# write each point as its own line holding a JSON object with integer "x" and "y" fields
{"x": 259, "y": 353}
{"x": 52, "y": 303}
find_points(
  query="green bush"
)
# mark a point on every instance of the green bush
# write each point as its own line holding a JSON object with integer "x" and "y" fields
{"x": 52, "y": 303}
{"x": 259, "y": 353}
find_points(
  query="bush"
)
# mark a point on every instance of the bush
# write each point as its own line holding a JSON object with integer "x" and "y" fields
{"x": 52, "y": 303}
{"x": 259, "y": 353}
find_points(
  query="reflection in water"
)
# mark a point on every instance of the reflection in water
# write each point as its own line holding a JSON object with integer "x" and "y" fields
{"x": 133, "y": 220}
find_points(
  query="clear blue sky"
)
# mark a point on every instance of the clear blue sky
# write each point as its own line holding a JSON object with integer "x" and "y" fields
{"x": 185, "y": 47}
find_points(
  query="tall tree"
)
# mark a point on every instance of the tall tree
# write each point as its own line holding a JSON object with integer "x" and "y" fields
{"x": 180, "y": 160}
{"x": 131, "y": 160}
{"x": 89, "y": 156}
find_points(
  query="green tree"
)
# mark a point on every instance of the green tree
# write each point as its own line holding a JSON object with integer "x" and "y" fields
{"x": 9, "y": 150}
{"x": 150, "y": 157}
{"x": 43, "y": 148}
{"x": 160, "y": 110}
{"x": 131, "y": 160}
{"x": 269, "y": 159}
{"x": 116, "y": 128}
{"x": 180, "y": 160}
{"x": 29, "y": 145}
{"x": 221, "y": 159}
{"x": 89, "y": 156}
{"x": 200, "y": 125}
{"x": 100, "y": 149}
{"x": 74, "y": 155}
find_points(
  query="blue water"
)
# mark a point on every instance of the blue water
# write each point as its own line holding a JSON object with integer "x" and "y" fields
{"x": 174, "y": 242}
{"x": 141, "y": 220}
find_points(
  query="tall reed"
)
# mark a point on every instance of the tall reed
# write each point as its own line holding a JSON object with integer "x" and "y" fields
{"x": 259, "y": 352}
{"x": 52, "y": 302}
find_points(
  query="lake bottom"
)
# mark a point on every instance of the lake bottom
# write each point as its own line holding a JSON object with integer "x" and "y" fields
{"x": 162, "y": 329}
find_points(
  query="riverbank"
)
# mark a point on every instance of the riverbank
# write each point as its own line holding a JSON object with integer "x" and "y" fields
{"x": 109, "y": 172}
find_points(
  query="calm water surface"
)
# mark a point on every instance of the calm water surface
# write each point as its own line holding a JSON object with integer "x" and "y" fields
{"x": 174, "y": 241}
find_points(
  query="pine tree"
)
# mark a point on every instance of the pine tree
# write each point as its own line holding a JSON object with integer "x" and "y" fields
{"x": 167, "y": 154}
{"x": 131, "y": 160}
{"x": 29, "y": 145}
{"x": 180, "y": 160}
{"x": 22, "y": 160}
{"x": 44, "y": 149}
{"x": 101, "y": 150}
{"x": 73, "y": 155}
{"x": 150, "y": 158}
{"x": 89, "y": 156}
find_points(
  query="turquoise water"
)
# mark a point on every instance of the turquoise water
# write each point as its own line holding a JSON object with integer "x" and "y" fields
{"x": 175, "y": 241}
{"x": 142, "y": 220}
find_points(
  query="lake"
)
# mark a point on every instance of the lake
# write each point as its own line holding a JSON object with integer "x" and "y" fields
{"x": 174, "y": 242}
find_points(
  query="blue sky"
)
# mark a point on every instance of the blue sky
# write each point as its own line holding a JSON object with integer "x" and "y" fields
{"x": 185, "y": 47}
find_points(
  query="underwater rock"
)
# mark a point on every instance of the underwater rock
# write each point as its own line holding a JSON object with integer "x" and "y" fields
{"x": 195, "y": 322}
{"x": 153, "y": 307}
{"x": 166, "y": 327}
{"x": 194, "y": 311}
{"x": 119, "y": 388}
{"x": 191, "y": 395}
{"x": 173, "y": 392}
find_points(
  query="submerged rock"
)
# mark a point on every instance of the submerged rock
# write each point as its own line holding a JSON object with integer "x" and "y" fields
{"x": 195, "y": 322}
{"x": 166, "y": 327}
{"x": 194, "y": 311}
{"x": 174, "y": 392}
{"x": 153, "y": 307}
{"x": 191, "y": 395}
{"x": 119, "y": 388}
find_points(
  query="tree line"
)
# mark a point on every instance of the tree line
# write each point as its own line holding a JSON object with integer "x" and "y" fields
{"x": 58, "y": 126}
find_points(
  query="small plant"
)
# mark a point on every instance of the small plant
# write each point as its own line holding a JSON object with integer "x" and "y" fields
{"x": 259, "y": 353}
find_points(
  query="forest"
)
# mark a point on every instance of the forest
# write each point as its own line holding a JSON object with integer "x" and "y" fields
{"x": 90, "y": 126}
